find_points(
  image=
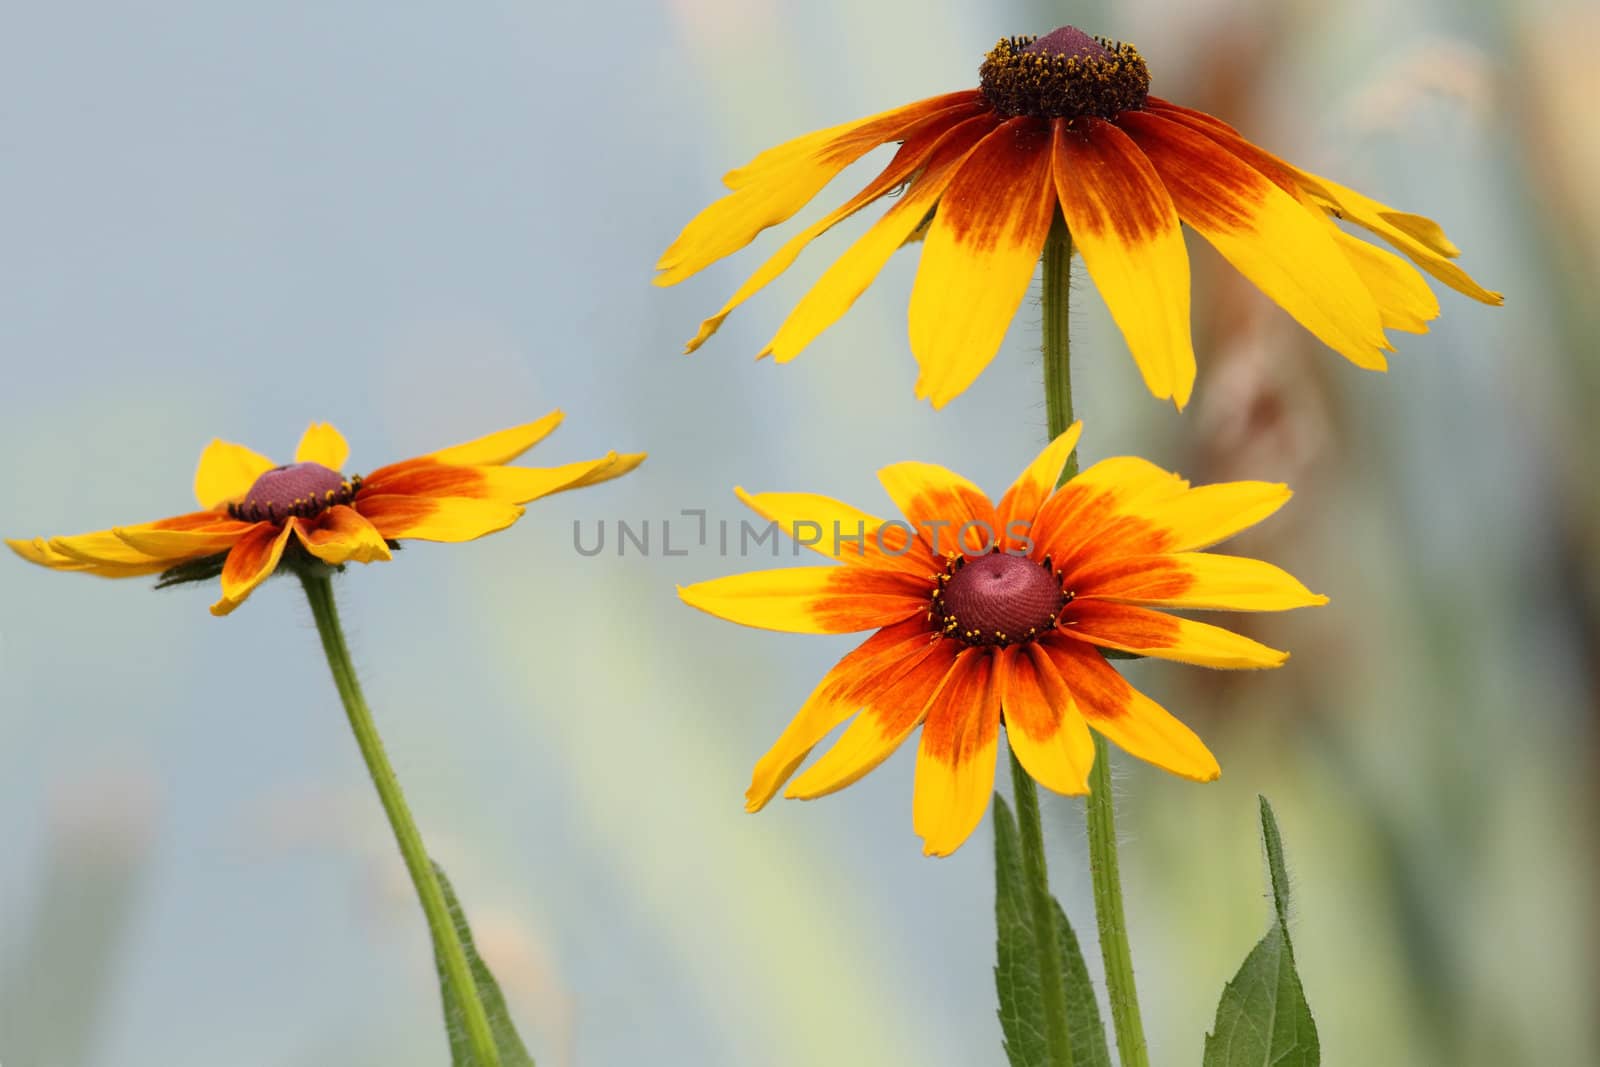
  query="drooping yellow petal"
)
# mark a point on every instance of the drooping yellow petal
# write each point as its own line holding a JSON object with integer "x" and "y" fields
{"x": 342, "y": 535}
{"x": 774, "y": 193}
{"x": 915, "y": 151}
{"x": 862, "y": 678}
{"x": 423, "y": 518}
{"x": 1018, "y": 509}
{"x": 1150, "y": 633}
{"x": 226, "y": 472}
{"x": 1043, "y": 725}
{"x": 1266, "y": 234}
{"x": 1404, "y": 300}
{"x": 956, "y": 760}
{"x": 850, "y": 275}
{"x": 251, "y": 561}
{"x": 1129, "y": 719}
{"x": 1194, "y": 580}
{"x": 880, "y": 728}
{"x": 812, "y": 600}
{"x": 502, "y": 446}
{"x": 838, "y": 530}
{"x": 949, "y": 513}
{"x": 979, "y": 256}
{"x": 38, "y": 551}
{"x": 1123, "y": 222}
{"x": 322, "y": 443}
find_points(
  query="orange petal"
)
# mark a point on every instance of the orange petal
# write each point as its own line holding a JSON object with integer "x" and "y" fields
{"x": 342, "y": 535}
{"x": 850, "y": 275}
{"x": 502, "y": 446}
{"x": 840, "y": 531}
{"x": 769, "y": 194}
{"x": 880, "y": 728}
{"x": 1150, "y": 633}
{"x": 812, "y": 600}
{"x": 323, "y": 444}
{"x": 1102, "y": 503}
{"x": 979, "y": 256}
{"x": 949, "y": 513}
{"x": 1020, "y": 506}
{"x": 444, "y": 518}
{"x": 1043, "y": 726}
{"x": 1269, "y": 236}
{"x": 862, "y": 678}
{"x": 251, "y": 561}
{"x": 518, "y": 485}
{"x": 1123, "y": 222}
{"x": 955, "y": 762}
{"x": 915, "y": 150}
{"x": 1128, "y": 718}
{"x": 226, "y": 472}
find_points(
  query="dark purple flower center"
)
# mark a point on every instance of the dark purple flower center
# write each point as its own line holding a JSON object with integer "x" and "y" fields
{"x": 1064, "y": 74}
{"x": 997, "y": 599}
{"x": 303, "y": 489}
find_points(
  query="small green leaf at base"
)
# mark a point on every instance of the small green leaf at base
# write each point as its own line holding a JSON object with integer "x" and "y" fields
{"x": 1263, "y": 1019}
{"x": 1016, "y": 973}
{"x": 512, "y": 1051}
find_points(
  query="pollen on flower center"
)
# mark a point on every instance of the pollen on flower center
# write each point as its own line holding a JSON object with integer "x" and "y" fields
{"x": 997, "y": 599}
{"x": 302, "y": 489}
{"x": 1064, "y": 74}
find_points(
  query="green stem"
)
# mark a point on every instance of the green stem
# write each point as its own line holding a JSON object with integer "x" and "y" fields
{"x": 1052, "y": 982}
{"x": 319, "y": 591}
{"x": 1099, "y": 807}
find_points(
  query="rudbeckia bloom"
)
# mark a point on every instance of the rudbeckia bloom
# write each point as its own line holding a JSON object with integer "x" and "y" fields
{"x": 998, "y": 614}
{"x": 253, "y": 511}
{"x": 1063, "y": 126}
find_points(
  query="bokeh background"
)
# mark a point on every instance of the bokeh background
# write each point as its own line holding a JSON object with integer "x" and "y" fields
{"x": 424, "y": 222}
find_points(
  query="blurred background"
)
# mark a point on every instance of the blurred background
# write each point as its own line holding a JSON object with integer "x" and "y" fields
{"x": 424, "y": 222}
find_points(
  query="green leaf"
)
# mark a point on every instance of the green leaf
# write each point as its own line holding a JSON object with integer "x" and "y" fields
{"x": 512, "y": 1051}
{"x": 1016, "y": 974}
{"x": 1263, "y": 1019}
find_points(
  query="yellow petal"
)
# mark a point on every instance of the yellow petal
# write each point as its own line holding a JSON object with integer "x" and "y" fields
{"x": 880, "y": 728}
{"x": 1150, "y": 633}
{"x": 773, "y": 193}
{"x": 251, "y": 561}
{"x": 226, "y": 472}
{"x": 173, "y": 545}
{"x": 502, "y": 446}
{"x": 1123, "y": 222}
{"x": 1043, "y": 725}
{"x": 1208, "y": 514}
{"x": 448, "y": 519}
{"x": 342, "y": 535}
{"x": 836, "y": 529}
{"x": 323, "y": 444}
{"x": 812, "y": 600}
{"x": 850, "y": 275}
{"x": 956, "y": 760}
{"x": 1129, "y": 719}
{"x": 38, "y": 551}
{"x": 949, "y": 513}
{"x": 1404, "y": 300}
{"x": 1195, "y": 580}
{"x": 1019, "y": 508}
{"x": 979, "y": 256}
{"x": 1268, "y": 236}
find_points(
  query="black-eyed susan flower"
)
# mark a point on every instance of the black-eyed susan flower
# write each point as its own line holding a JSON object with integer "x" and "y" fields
{"x": 1064, "y": 126}
{"x": 998, "y": 614}
{"x": 253, "y": 511}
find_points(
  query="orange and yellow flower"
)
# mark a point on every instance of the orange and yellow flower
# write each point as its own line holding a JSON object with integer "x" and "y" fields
{"x": 1063, "y": 127}
{"x": 998, "y": 614}
{"x": 253, "y": 511}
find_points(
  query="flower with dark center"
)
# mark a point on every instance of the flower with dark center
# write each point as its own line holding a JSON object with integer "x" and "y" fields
{"x": 1062, "y": 130}
{"x": 988, "y": 615}
{"x": 256, "y": 514}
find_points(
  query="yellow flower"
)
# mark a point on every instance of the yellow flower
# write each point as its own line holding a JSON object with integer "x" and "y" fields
{"x": 997, "y": 614}
{"x": 1064, "y": 126}
{"x": 251, "y": 508}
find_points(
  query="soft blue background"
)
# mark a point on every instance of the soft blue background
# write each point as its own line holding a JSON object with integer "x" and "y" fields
{"x": 424, "y": 222}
